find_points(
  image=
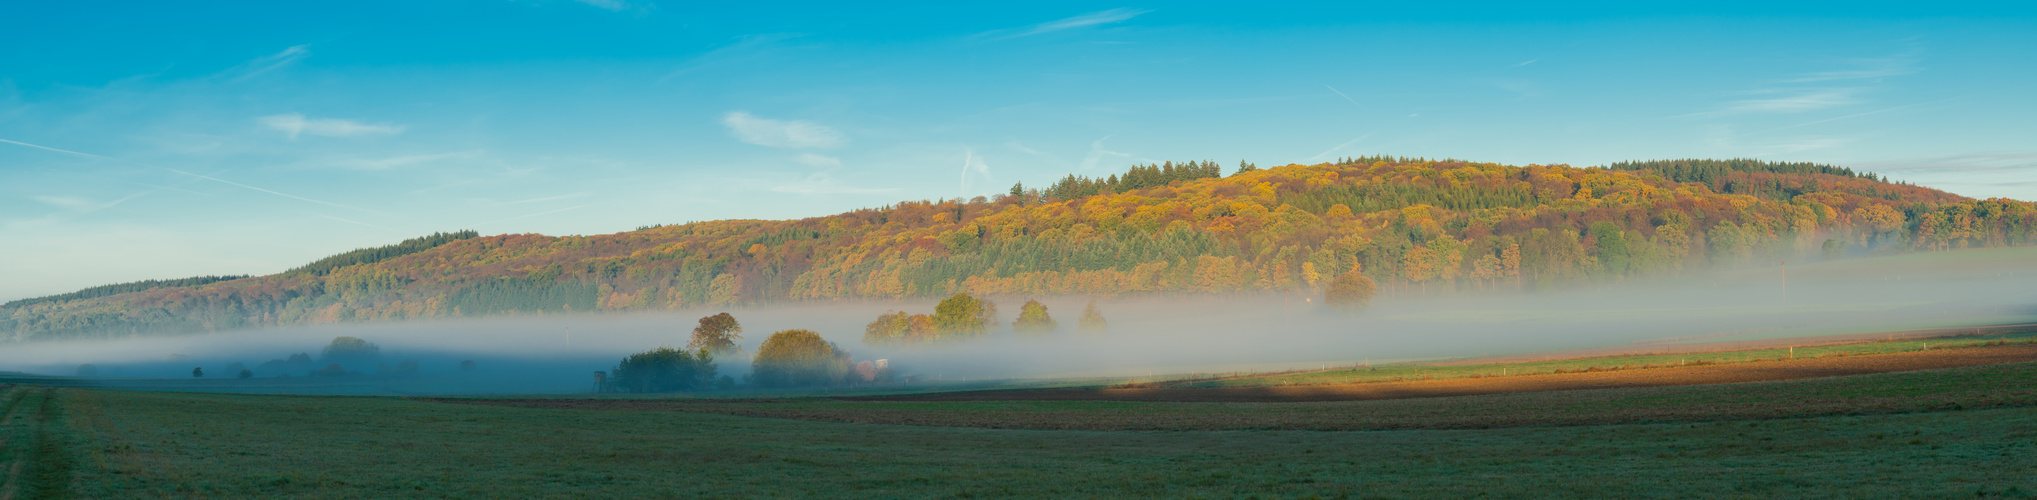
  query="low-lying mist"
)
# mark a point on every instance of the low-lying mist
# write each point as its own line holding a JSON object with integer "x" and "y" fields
{"x": 1147, "y": 335}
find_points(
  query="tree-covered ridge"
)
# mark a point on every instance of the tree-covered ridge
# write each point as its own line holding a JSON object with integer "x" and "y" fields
{"x": 120, "y": 288}
{"x": 1707, "y": 171}
{"x": 1408, "y": 225}
{"x": 1139, "y": 177}
{"x": 322, "y": 267}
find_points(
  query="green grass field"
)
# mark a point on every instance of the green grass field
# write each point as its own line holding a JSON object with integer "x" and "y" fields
{"x": 1960, "y": 432}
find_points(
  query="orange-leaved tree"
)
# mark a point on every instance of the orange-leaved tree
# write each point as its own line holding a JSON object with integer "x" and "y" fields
{"x": 1353, "y": 290}
{"x": 798, "y": 357}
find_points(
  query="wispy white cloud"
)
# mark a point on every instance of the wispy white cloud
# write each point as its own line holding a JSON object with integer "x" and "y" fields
{"x": 1839, "y": 88}
{"x": 1802, "y": 145}
{"x": 265, "y": 64}
{"x": 972, "y": 164}
{"x": 1903, "y": 63}
{"x": 1855, "y": 115}
{"x": 526, "y": 216}
{"x": 1796, "y": 101}
{"x": 1082, "y": 21}
{"x": 790, "y": 134}
{"x": 1525, "y": 63}
{"x": 824, "y": 183}
{"x": 1975, "y": 162}
{"x": 186, "y": 176}
{"x": 815, "y": 160}
{"x": 351, "y": 221}
{"x": 67, "y": 202}
{"x": 398, "y": 161}
{"x": 745, "y": 47}
{"x": 548, "y": 198}
{"x": 614, "y": 5}
{"x": 1097, "y": 153}
{"x": 295, "y": 124}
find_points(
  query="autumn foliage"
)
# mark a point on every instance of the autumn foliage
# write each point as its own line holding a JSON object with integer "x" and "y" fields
{"x": 1351, "y": 290}
{"x": 798, "y": 358}
{"x": 1414, "y": 226}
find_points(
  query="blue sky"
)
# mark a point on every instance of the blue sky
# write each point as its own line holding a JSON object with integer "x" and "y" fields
{"x": 170, "y": 139}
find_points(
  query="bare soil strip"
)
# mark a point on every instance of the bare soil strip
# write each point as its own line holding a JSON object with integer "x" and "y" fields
{"x": 1687, "y": 375}
{"x": 1674, "y": 346}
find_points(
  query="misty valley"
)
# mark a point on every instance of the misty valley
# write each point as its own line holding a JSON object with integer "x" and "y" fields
{"x": 654, "y": 249}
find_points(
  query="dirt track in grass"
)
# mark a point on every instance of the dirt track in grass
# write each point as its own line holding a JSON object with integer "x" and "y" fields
{"x": 1652, "y": 377}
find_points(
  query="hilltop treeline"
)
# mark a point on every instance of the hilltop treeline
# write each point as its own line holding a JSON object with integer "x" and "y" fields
{"x": 120, "y": 288}
{"x": 1139, "y": 177}
{"x": 322, "y": 267}
{"x": 1410, "y": 225}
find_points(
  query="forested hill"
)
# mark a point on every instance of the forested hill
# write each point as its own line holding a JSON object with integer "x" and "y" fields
{"x": 1418, "y": 226}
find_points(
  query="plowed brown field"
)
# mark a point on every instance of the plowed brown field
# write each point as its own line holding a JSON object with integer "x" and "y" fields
{"x": 1654, "y": 377}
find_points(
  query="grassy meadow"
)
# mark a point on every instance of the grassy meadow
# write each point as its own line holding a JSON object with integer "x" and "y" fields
{"x": 1940, "y": 433}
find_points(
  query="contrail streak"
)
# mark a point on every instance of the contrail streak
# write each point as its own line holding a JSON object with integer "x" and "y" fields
{"x": 968, "y": 156}
{"x": 1340, "y": 93}
{"x": 1339, "y": 146}
{"x": 205, "y": 177}
{"x": 65, "y": 151}
{"x": 277, "y": 193}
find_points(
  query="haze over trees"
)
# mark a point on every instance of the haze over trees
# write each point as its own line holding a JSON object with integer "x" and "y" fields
{"x": 791, "y": 358}
{"x": 1414, "y": 226}
{"x": 345, "y": 350}
{"x": 1092, "y": 319}
{"x": 964, "y": 315}
{"x": 1352, "y": 290}
{"x": 1033, "y": 319}
{"x": 663, "y": 370}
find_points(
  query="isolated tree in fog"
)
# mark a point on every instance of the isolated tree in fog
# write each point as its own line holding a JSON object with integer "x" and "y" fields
{"x": 798, "y": 357}
{"x": 664, "y": 370}
{"x": 1351, "y": 291}
{"x": 1092, "y": 319}
{"x": 716, "y": 334}
{"x": 963, "y": 314}
{"x": 1033, "y": 318}
{"x": 350, "y": 350}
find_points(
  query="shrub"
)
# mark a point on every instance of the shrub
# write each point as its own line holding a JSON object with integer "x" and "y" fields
{"x": 663, "y": 370}
{"x": 798, "y": 358}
